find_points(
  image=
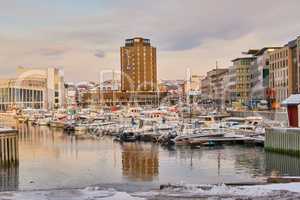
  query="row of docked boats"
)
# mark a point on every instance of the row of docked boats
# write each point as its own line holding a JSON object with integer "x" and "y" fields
{"x": 164, "y": 125}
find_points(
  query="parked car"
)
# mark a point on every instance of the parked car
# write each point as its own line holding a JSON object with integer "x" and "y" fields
{"x": 263, "y": 105}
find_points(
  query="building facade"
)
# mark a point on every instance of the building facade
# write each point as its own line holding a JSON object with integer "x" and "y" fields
{"x": 28, "y": 93}
{"x": 229, "y": 85}
{"x": 55, "y": 88}
{"x": 285, "y": 71}
{"x": 294, "y": 46}
{"x": 205, "y": 88}
{"x": 109, "y": 85}
{"x": 33, "y": 88}
{"x": 217, "y": 84}
{"x": 242, "y": 67}
{"x": 298, "y": 60}
{"x": 260, "y": 74}
{"x": 71, "y": 95}
{"x": 138, "y": 65}
{"x": 212, "y": 85}
{"x": 281, "y": 74}
{"x": 194, "y": 84}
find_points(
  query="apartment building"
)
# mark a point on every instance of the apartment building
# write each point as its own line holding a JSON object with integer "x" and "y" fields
{"x": 205, "y": 88}
{"x": 194, "y": 84}
{"x": 138, "y": 66}
{"x": 212, "y": 85}
{"x": 260, "y": 73}
{"x": 217, "y": 84}
{"x": 243, "y": 78}
{"x": 229, "y": 82}
{"x": 294, "y": 46}
{"x": 281, "y": 74}
{"x": 285, "y": 70}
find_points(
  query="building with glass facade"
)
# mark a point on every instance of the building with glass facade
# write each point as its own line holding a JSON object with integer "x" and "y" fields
{"x": 32, "y": 88}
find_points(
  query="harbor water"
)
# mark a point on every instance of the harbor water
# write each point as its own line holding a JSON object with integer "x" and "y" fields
{"x": 52, "y": 159}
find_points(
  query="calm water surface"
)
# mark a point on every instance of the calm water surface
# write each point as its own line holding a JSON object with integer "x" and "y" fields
{"x": 50, "y": 159}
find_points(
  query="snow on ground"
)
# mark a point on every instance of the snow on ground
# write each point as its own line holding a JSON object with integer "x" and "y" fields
{"x": 2, "y": 129}
{"x": 186, "y": 192}
{"x": 292, "y": 187}
{"x": 222, "y": 191}
{"x": 68, "y": 194}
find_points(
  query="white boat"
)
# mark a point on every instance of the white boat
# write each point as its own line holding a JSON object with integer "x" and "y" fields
{"x": 244, "y": 129}
{"x": 171, "y": 116}
{"x": 187, "y": 139}
{"x": 82, "y": 128}
{"x": 43, "y": 121}
{"x": 134, "y": 112}
{"x": 207, "y": 120}
{"x": 254, "y": 121}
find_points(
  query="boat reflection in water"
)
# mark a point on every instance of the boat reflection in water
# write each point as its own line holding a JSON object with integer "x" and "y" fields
{"x": 281, "y": 164}
{"x": 9, "y": 177}
{"x": 140, "y": 162}
{"x": 50, "y": 158}
{"x": 253, "y": 161}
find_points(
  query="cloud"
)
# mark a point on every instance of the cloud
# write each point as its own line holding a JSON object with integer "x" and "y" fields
{"x": 190, "y": 33}
{"x": 52, "y": 51}
{"x": 176, "y": 25}
{"x": 99, "y": 54}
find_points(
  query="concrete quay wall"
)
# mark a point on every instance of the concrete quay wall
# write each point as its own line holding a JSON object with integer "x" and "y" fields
{"x": 283, "y": 140}
{"x": 271, "y": 115}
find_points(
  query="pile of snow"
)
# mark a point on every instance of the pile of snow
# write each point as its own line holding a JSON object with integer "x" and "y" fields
{"x": 281, "y": 191}
{"x": 2, "y": 129}
{"x": 208, "y": 191}
{"x": 92, "y": 193}
{"x": 183, "y": 191}
{"x": 292, "y": 187}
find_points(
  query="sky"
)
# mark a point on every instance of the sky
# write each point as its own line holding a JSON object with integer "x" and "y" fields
{"x": 83, "y": 37}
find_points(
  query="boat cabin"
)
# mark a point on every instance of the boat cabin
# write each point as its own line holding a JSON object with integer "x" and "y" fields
{"x": 134, "y": 112}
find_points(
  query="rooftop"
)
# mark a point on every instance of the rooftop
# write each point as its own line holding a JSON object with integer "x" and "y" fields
{"x": 251, "y": 52}
{"x": 242, "y": 58}
{"x": 261, "y": 51}
{"x": 294, "y": 99}
{"x": 132, "y": 41}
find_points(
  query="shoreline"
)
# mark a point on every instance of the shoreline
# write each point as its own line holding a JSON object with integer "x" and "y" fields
{"x": 180, "y": 191}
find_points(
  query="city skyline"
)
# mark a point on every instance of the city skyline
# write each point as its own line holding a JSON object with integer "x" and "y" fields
{"x": 81, "y": 35}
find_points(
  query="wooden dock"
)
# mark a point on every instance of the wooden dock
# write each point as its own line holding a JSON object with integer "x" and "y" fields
{"x": 9, "y": 150}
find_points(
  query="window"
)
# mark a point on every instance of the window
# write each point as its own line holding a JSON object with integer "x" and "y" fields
{"x": 56, "y": 94}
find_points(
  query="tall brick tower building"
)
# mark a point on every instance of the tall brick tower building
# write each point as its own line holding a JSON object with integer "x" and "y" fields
{"x": 138, "y": 66}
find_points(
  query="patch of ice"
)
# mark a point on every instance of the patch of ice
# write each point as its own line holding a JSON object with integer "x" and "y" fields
{"x": 292, "y": 187}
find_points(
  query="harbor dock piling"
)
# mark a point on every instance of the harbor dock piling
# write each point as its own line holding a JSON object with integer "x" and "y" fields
{"x": 9, "y": 153}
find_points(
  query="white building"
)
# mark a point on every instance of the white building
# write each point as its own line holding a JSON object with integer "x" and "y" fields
{"x": 33, "y": 88}
{"x": 194, "y": 84}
